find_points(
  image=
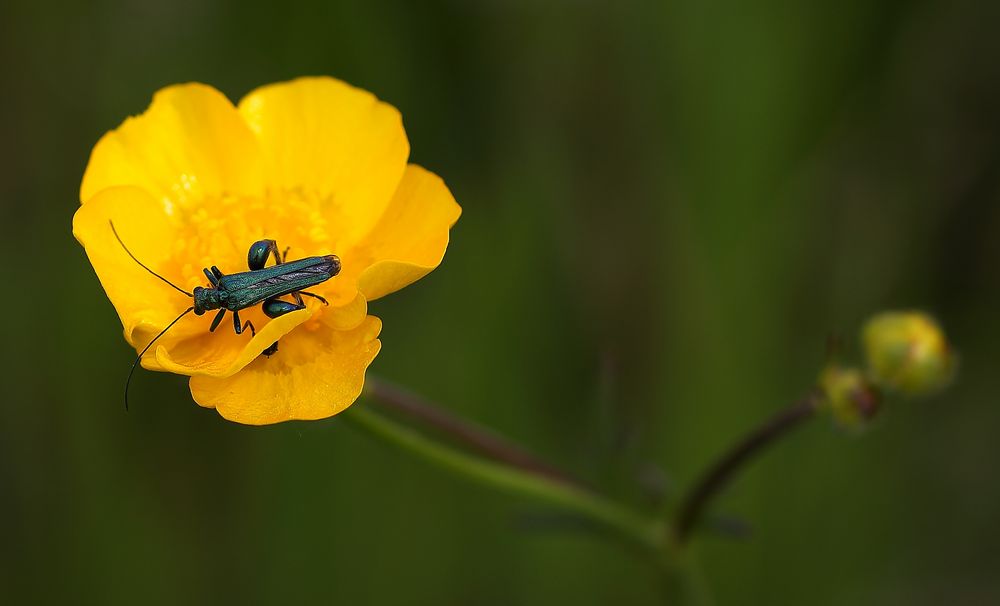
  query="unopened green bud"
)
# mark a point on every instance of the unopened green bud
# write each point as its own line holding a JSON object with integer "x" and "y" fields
{"x": 908, "y": 352}
{"x": 850, "y": 396}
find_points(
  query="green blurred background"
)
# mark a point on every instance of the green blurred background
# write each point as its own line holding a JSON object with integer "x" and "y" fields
{"x": 667, "y": 208}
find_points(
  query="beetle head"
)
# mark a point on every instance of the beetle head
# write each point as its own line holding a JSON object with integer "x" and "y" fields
{"x": 207, "y": 299}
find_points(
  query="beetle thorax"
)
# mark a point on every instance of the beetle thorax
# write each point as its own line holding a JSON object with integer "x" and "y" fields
{"x": 207, "y": 299}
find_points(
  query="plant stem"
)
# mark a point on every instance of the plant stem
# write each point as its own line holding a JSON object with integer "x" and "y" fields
{"x": 474, "y": 437}
{"x": 644, "y": 533}
{"x": 722, "y": 471}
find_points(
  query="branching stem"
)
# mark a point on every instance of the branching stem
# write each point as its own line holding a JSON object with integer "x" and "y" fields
{"x": 483, "y": 456}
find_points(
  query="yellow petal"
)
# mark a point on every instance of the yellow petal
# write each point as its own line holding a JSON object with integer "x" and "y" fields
{"x": 223, "y": 353}
{"x": 144, "y": 303}
{"x": 321, "y": 137}
{"x": 347, "y": 316}
{"x": 315, "y": 374}
{"x": 410, "y": 238}
{"x": 190, "y": 145}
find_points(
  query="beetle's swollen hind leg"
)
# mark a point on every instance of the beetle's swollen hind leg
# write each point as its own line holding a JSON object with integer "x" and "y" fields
{"x": 276, "y": 307}
{"x": 239, "y": 329}
{"x": 260, "y": 251}
{"x": 217, "y": 320}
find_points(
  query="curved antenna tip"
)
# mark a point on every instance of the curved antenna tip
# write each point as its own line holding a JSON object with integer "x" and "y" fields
{"x": 146, "y": 348}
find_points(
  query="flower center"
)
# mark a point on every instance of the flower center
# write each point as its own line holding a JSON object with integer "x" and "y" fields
{"x": 219, "y": 232}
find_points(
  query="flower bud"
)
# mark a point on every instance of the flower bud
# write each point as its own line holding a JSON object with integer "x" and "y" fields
{"x": 907, "y": 352}
{"x": 850, "y": 396}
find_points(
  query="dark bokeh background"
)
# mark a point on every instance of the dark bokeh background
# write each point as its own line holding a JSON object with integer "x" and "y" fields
{"x": 666, "y": 210}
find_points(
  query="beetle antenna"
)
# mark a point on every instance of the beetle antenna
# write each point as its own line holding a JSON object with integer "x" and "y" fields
{"x": 141, "y": 264}
{"x": 146, "y": 348}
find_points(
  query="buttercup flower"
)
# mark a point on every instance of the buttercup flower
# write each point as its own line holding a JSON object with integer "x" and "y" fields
{"x": 908, "y": 352}
{"x": 315, "y": 164}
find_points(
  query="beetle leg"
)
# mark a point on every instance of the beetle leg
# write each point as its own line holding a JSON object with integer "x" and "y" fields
{"x": 284, "y": 255}
{"x": 298, "y": 298}
{"x": 217, "y": 320}
{"x": 260, "y": 251}
{"x": 276, "y": 307}
{"x": 313, "y": 295}
{"x": 271, "y": 350}
{"x": 239, "y": 329}
{"x": 211, "y": 278}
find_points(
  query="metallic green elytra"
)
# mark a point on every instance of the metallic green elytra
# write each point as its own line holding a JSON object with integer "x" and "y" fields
{"x": 233, "y": 292}
{"x": 263, "y": 285}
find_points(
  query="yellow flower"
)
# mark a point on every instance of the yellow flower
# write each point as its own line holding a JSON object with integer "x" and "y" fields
{"x": 315, "y": 164}
{"x": 908, "y": 352}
